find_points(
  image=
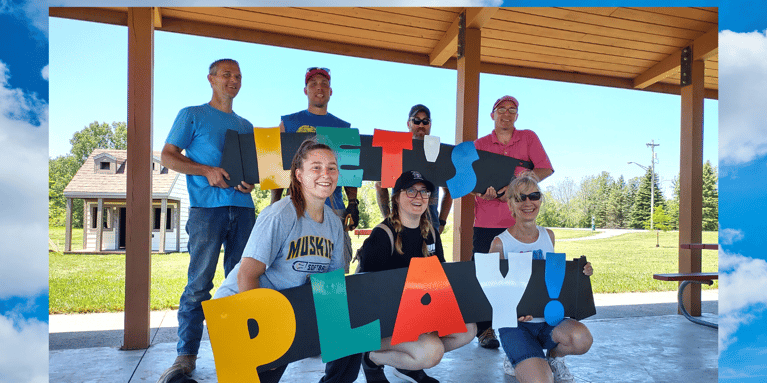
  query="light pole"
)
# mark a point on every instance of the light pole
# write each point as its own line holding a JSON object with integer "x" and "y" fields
{"x": 652, "y": 192}
{"x": 652, "y": 146}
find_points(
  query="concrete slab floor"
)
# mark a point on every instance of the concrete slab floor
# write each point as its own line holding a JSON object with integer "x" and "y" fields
{"x": 644, "y": 342}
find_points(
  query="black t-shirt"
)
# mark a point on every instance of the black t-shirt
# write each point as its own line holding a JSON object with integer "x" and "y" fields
{"x": 377, "y": 255}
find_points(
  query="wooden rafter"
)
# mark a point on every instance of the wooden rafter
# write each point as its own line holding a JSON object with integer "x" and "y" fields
{"x": 447, "y": 46}
{"x": 704, "y": 47}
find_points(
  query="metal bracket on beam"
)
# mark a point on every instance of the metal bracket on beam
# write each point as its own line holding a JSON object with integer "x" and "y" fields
{"x": 685, "y": 75}
{"x": 461, "y": 34}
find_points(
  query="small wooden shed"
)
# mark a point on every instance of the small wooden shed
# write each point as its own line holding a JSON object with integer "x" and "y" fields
{"x": 101, "y": 184}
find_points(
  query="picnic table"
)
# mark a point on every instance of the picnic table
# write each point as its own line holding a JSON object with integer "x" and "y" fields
{"x": 687, "y": 278}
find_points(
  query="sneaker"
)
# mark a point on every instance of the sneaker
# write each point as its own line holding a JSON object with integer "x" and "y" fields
{"x": 417, "y": 376}
{"x": 507, "y": 367}
{"x": 559, "y": 369}
{"x": 184, "y": 364}
{"x": 373, "y": 372}
{"x": 488, "y": 340}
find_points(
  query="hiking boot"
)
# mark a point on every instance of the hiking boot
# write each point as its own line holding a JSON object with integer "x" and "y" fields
{"x": 507, "y": 367}
{"x": 414, "y": 376}
{"x": 373, "y": 372}
{"x": 559, "y": 369}
{"x": 488, "y": 340}
{"x": 184, "y": 364}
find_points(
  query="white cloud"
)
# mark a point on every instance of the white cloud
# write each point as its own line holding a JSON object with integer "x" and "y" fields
{"x": 742, "y": 89}
{"x": 28, "y": 341}
{"x": 730, "y": 236}
{"x": 44, "y": 73}
{"x": 35, "y": 13}
{"x": 24, "y": 190}
{"x": 742, "y": 283}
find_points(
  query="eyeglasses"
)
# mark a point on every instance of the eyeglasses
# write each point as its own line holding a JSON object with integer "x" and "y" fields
{"x": 504, "y": 110}
{"x": 534, "y": 196}
{"x": 412, "y": 192}
{"x": 417, "y": 121}
{"x": 317, "y": 68}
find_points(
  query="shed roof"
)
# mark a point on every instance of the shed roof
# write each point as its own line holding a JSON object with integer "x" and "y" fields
{"x": 623, "y": 47}
{"x": 87, "y": 183}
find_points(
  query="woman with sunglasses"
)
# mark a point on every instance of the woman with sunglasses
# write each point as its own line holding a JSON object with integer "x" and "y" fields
{"x": 412, "y": 236}
{"x": 524, "y": 344}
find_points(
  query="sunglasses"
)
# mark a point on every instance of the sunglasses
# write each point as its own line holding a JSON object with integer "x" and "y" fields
{"x": 534, "y": 196}
{"x": 412, "y": 192}
{"x": 504, "y": 110}
{"x": 317, "y": 68}
{"x": 417, "y": 121}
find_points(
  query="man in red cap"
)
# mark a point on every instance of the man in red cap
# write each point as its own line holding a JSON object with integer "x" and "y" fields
{"x": 491, "y": 209}
{"x": 318, "y": 91}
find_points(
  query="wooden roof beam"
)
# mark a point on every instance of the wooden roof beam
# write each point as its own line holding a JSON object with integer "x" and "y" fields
{"x": 476, "y": 18}
{"x": 704, "y": 47}
{"x": 157, "y": 15}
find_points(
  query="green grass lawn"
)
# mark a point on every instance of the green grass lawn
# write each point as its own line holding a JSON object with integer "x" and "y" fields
{"x": 57, "y": 234}
{"x": 96, "y": 283}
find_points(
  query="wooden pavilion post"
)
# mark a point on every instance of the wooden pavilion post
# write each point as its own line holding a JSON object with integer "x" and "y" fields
{"x": 467, "y": 114}
{"x": 138, "y": 244}
{"x": 691, "y": 182}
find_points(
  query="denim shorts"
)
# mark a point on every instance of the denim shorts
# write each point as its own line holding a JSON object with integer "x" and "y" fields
{"x": 528, "y": 340}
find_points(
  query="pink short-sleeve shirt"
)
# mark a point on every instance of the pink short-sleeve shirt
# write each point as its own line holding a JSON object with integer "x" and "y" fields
{"x": 524, "y": 145}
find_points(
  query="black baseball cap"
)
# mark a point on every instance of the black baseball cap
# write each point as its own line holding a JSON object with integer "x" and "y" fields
{"x": 419, "y": 108}
{"x": 410, "y": 178}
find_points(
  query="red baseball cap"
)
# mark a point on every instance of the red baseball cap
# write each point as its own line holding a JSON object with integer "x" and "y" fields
{"x": 316, "y": 70}
{"x": 505, "y": 98}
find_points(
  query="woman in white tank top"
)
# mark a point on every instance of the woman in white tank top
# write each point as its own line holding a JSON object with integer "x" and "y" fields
{"x": 524, "y": 344}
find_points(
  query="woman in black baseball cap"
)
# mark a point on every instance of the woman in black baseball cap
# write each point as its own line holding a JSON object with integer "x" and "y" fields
{"x": 407, "y": 233}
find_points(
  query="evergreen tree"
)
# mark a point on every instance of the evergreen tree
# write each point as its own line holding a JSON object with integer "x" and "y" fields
{"x": 614, "y": 211}
{"x": 672, "y": 206}
{"x": 641, "y": 209}
{"x": 710, "y": 198}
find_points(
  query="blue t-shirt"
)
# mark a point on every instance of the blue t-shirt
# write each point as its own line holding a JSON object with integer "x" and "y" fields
{"x": 307, "y": 122}
{"x": 200, "y": 130}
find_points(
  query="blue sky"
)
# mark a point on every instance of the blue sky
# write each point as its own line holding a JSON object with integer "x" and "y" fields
{"x": 24, "y": 126}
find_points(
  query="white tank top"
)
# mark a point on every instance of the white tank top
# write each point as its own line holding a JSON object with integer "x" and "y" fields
{"x": 512, "y": 245}
{"x": 540, "y": 247}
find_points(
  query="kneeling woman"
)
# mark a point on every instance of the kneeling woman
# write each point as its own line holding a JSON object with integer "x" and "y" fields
{"x": 413, "y": 236}
{"x": 273, "y": 257}
{"x": 524, "y": 344}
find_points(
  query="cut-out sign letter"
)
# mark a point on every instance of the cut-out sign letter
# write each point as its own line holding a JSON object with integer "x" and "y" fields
{"x": 504, "y": 294}
{"x": 337, "y": 338}
{"x": 392, "y": 144}
{"x": 269, "y": 152}
{"x": 554, "y": 311}
{"x": 464, "y": 154}
{"x": 238, "y": 348}
{"x": 335, "y": 137}
{"x": 427, "y": 304}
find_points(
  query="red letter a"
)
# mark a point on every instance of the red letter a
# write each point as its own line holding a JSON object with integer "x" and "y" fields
{"x": 428, "y": 303}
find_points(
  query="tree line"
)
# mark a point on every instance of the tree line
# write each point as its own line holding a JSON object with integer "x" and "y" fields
{"x": 612, "y": 203}
{"x": 618, "y": 203}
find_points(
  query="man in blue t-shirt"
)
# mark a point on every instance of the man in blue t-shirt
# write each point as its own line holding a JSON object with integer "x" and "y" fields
{"x": 318, "y": 91}
{"x": 218, "y": 214}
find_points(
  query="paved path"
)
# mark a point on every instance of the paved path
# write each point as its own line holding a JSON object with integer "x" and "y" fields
{"x": 602, "y": 233}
